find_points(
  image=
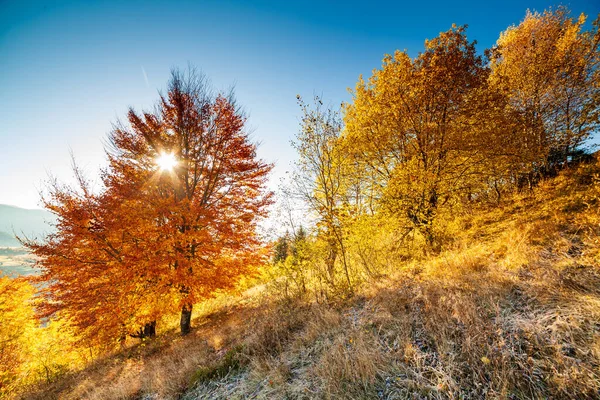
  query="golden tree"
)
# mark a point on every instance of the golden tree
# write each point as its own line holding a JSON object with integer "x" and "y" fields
{"x": 17, "y": 331}
{"x": 320, "y": 179}
{"x": 547, "y": 67}
{"x": 411, "y": 124}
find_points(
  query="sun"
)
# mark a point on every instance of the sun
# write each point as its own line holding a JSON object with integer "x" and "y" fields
{"x": 166, "y": 161}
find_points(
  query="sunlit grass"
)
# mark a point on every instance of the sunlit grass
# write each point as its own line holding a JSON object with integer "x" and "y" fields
{"x": 508, "y": 308}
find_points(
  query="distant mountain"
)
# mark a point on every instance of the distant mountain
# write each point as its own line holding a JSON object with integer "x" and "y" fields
{"x": 21, "y": 221}
{"x": 8, "y": 240}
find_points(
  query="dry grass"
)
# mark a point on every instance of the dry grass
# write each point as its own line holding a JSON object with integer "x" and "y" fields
{"x": 510, "y": 309}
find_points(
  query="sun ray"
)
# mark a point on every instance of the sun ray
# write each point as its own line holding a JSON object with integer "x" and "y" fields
{"x": 166, "y": 161}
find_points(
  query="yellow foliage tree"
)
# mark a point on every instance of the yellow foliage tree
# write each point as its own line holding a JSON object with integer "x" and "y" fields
{"x": 32, "y": 351}
{"x": 547, "y": 67}
{"x": 411, "y": 125}
{"x": 321, "y": 182}
{"x": 17, "y": 326}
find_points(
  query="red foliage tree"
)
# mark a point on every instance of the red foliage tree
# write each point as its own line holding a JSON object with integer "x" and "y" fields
{"x": 156, "y": 237}
{"x": 200, "y": 215}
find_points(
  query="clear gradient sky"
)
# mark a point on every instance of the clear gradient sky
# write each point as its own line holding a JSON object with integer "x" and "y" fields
{"x": 68, "y": 69}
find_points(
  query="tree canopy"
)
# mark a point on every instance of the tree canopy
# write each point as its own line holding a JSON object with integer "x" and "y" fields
{"x": 157, "y": 238}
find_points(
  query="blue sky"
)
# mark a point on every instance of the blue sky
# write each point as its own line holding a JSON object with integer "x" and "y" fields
{"x": 70, "y": 69}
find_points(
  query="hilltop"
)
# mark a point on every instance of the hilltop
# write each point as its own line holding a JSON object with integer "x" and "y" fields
{"x": 509, "y": 309}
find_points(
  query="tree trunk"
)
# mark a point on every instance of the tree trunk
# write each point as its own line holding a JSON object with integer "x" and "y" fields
{"x": 148, "y": 330}
{"x": 498, "y": 193}
{"x": 330, "y": 263}
{"x": 185, "y": 323}
{"x": 343, "y": 250}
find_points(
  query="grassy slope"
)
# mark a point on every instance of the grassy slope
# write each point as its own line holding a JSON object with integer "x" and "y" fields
{"x": 511, "y": 310}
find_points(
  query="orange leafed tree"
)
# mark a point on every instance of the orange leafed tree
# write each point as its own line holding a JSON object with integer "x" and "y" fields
{"x": 91, "y": 271}
{"x": 198, "y": 217}
{"x": 158, "y": 237}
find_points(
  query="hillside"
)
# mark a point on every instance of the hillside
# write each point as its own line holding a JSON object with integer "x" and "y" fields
{"x": 16, "y": 220}
{"x": 15, "y": 260}
{"x": 508, "y": 309}
{"x": 8, "y": 240}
